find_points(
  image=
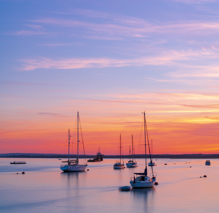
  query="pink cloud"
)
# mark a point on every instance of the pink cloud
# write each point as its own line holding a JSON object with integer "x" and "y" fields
{"x": 200, "y": 71}
{"x": 132, "y": 27}
{"x": 167, "y": 58}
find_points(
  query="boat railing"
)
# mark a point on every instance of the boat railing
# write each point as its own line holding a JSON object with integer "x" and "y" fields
{"x": 70, "y": 161}
{"x": 141, "y": 178}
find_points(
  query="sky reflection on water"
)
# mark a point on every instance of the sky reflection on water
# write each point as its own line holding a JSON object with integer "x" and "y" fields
{"x": 44, "y": 188}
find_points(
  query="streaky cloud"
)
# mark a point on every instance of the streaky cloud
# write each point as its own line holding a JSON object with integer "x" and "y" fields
{"x": 25, "y": 83}
{"x": 195, "y": 1}
{"x": 202, "y": 106}
{"x": 34, "y": 26}
{"x": 48, "y": 113}
{"x": 136, "y": 28}
{"x": 167, "y": 58}
{"x": 58, "y": 44}
{"x": 197, "y": 71}
{"x": 28, "y": 33}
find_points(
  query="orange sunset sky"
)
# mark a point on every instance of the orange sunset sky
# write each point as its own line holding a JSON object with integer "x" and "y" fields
{"x": 110, "y": 61}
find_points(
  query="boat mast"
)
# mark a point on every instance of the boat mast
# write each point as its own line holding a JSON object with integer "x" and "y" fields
{"x": 120, "y": 148}
{"x": 69, "y": 136}
{"x": 132, "y": 147}
{"x": 145, "y": 137}
{"x": 77, "y": 135}
{"x": 149, "y": 148}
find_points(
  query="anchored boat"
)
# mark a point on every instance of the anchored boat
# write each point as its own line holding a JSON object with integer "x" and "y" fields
{"x": 119, "y": 165}
{"x": 143, "y": 180}
{"x": 131, "y": 163}
{"x": 73, "y": 165}
{"x": 151, "y": 163}
{"x": 207, "y": 162}
{"x": 97, "y": 158}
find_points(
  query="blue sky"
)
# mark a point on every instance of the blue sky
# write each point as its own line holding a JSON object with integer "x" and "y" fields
{"x": 58, "y": 57}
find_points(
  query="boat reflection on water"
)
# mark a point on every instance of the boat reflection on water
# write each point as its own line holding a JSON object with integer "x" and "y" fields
{"x": 144, "y": 191}
{"x": 72, "y": 183}
{"x": 73, "y": 179}
{"x": 144, "y": 197}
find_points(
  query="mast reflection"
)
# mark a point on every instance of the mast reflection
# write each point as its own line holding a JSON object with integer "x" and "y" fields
{"x": 146, "y": 195}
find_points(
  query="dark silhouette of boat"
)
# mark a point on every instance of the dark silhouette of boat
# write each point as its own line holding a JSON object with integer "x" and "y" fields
{"x": 97, "y": 158}
{"x": 207, "y": 162}
{"x": 18, "y": 162}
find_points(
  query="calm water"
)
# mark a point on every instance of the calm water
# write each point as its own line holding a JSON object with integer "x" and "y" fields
{"x": 44, "y": 188}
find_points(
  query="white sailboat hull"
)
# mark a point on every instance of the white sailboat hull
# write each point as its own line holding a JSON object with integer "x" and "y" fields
{"x": 151, "y": 164}
{"x": 73, "y": 168}
{"x": 143, "y": 184}
{"x": 132, "y": 165}
{"x": 143, "y": 180}
{"x": 118, "y": 166}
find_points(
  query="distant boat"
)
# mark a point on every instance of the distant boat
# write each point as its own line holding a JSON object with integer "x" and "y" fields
{"x": 143, "y": 180}
{"x": 151, "y": 163}
{"x": 97, "y": 158}
{"x": 99, "y": 155}
{"x": 131, "y": 163}
{"x": 73, "y": 165}
{"x": 207, "y": 162}
{"x": 125, "y": 188}
{"x": 18, "y": 162}
{"x": 119, "y": 165}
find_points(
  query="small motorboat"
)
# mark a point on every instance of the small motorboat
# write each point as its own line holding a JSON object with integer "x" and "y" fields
{"x": 125, "y": 188}
{"x": 207, "y": 162}
{"x": 18, "y": 162}
{"x": 97, "y": 158}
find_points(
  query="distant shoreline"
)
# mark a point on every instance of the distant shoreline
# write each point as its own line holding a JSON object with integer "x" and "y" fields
{"x": 172, "y": 156}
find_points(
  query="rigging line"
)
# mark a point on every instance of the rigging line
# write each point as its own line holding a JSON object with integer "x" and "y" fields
{"x": 74, "y": 134}
{"x": 149, "y": 148}
{"x": 82, "y": 137}
{"x": 140, "y": 138}
{"x": 145, "y": 140}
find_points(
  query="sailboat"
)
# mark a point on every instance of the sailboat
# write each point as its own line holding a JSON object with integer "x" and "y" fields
{"x": 151, "y": 163}
{"x": 131, "y": 163}
{"x": 119, "y": 165}
{"x": 143, "y": 180}
{"x": 73, "y": 165}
